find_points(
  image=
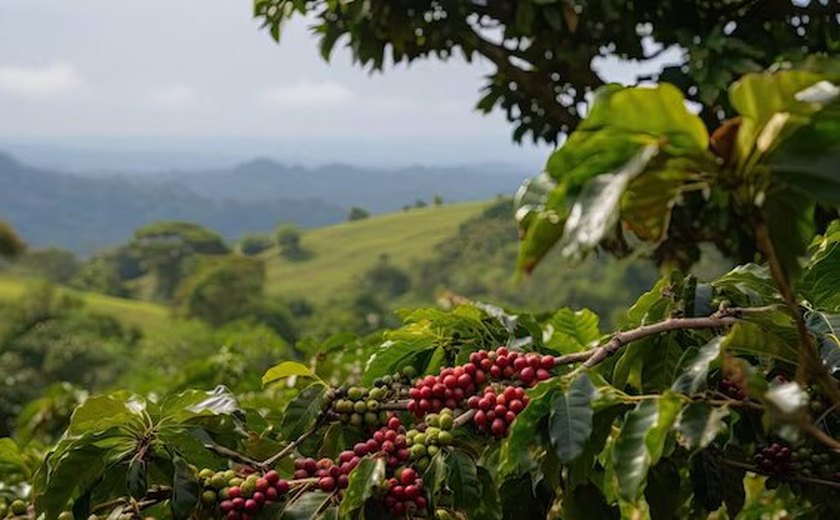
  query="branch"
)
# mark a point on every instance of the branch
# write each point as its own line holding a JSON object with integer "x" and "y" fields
{"x": 269, "y": 462}
{"x": 592, "y": 357}
{"x": 808, "y": 358}
{"x": 753, "y": 469}
{"x": 463, "y": 419}
{"x": 232, "y": 455}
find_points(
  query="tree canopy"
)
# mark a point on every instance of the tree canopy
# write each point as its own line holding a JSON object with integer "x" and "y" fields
{"x": 543, "y": 50}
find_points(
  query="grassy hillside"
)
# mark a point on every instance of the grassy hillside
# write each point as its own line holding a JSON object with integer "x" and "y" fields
{"x": 145, "y": 315}
{"x": 343, "y": 252}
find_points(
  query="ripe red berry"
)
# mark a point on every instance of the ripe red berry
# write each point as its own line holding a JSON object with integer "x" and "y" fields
{"x": 495, "y": 372}
{"x": 543, "y": 374}
{"x": 502, "y": 361}
{"x": 516, "y": 406}
{"x": 238, "y": 503}
{"x": 502, "y": 351}
{"x": 261, "y": 484}
{"x": 234, "y": 492}
{"x": 327, "y": 484}
{"x": 233, "y": 515}
{"x": 520, "y": 363}
{"x": 251, "y": 505}
{"x": 282, "y": 486}
{"x": 226, "y": 506}
{"x": 547, "y": 362}
{"x": 464, "y": 380}
{"x": 498, "y": 427}
{"x": 394, "y": 423}
{"x": 272, "y": 477}
{"x": 526, "y": 374}
{"x": 480, "y": 418}
{"x": 271, "y": 494}
{"x": 343, "y": 481}
{"x": 472, "y": 402}
{"x": 510, "y": 393}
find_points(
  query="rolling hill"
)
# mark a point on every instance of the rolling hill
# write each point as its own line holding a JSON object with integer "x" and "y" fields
{"x": 341, "y": 253}
{"x": 134, "y": 313}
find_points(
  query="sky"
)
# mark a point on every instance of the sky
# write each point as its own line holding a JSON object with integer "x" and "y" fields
{"x": 199, "y": 78}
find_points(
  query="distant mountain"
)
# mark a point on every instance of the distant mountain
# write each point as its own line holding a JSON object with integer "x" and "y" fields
{"x": 83, "y": 214}
{"x": 375, "y": 189}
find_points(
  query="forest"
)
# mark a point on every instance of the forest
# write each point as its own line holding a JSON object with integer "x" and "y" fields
{"x": 648, "y": 328}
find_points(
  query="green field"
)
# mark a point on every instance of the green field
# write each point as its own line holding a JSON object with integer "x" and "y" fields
{"x": 340, "y": 254}
{"x": 135, "y": 313}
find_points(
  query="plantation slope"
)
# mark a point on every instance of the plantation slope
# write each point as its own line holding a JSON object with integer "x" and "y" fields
{"x": 340, "y": 254}
{"x": 142, "y": 314}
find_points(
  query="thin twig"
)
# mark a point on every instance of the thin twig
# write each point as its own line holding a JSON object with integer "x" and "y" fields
{"x": 463, "y": 419}
{"x": 269, "y": 462}
{"x": 231, "y": 454}
{"x": 396, "y": 405}
{"x": 753, "y": 469}
{"x": 821, "y": 436}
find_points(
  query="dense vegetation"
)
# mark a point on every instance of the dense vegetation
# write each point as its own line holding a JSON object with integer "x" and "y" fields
{"x": 713, "y": 397}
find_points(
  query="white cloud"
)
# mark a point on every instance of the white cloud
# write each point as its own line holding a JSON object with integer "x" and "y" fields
{"x": 175, "y": 96}
{"x": 39, "y": 82}
{"x": 307, "y": 95}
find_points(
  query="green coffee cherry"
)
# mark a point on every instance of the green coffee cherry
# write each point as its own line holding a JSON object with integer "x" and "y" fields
{"x": 18, "y": 507}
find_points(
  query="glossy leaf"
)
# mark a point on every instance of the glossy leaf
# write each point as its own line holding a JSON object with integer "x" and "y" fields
{"x": 303, "y": 411}
{"x": 463, "y": 480}
{"x": 570, "y": 422}
{"x": 516, "y": 451}
{"x": 306, "y": 507}
{"x": 285, "y": 370}
{"x": 571, "y": 331}
{"x": 185, "y": 490}
{"x": 369, "y": 473}
{"x": 693, "y": 379}
{"x": 699, "y": 424}
{"x": 641, "y": 442}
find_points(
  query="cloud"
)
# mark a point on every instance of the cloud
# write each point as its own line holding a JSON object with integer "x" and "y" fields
{"x": 176, "y": 96}
{"x": 39, "y": 82}
{"x": 306, "y": 95}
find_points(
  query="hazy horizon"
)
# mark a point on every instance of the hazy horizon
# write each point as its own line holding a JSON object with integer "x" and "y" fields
{"x": 189, "y": 84}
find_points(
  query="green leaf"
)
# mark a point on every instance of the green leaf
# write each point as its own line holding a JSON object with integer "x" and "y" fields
{"x": 662, "y": 490}
{"x": 490, "y": 504}
{"x": 818, "y": 282}
{"x": 516, "y": 451}
{"x": 434, "y": 477}
{"x": 463, "y": 481}
{"x": 285, "y": 370}
{"x": 394, "y": 355}
{"x": 191, "y": 405}
{"x": 135, "y": 480}
{"x": 770, "y": 334}
{"x": 368, "y": 474}
{"x": 596, "y": 210}
{"x": 748, "y": 285}
{"x": 185, "y": 490}
{"x": 302, "y": 412}
{"x": 787, "y": 400}
{"x": 571, "y": 331}
{"x": 587, "y": 502}
{"x": 306, "y": 507}
{"x": 101, "y": 413}
{"x": 10, "y": 454}
{"x": 69, "y": 474}
{"x": 699, "y": 424}
{"x": 790, "y": 222}
{"x": 641, "y": 441}
{"x": 693, "y": 379}
{"x": 570, "y": 423}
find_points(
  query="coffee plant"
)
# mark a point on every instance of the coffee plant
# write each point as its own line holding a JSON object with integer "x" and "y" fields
{"x": 713, "y": 398}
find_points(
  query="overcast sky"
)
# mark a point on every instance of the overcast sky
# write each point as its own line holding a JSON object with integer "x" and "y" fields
{"x": 199, "y": 75}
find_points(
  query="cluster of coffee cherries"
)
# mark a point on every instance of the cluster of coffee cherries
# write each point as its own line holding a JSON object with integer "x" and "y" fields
{"x": 432, "y": 394}
{"x": 389, "y": 441}
{"x": 774, "y": 459}
{"x": 16, "y": 507}
{"x": 360, "y": 406}
{"x": 329, "y": 474}
{"x": 497, "y": 409}
{"x": 405, "y": 493}
{"x": 732, "y": 389}
{"x": 503, "y": 364}
{"x": 426, "y": 440}
{"x": 240, "y": 497}
{"x": 812, "y": 462}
